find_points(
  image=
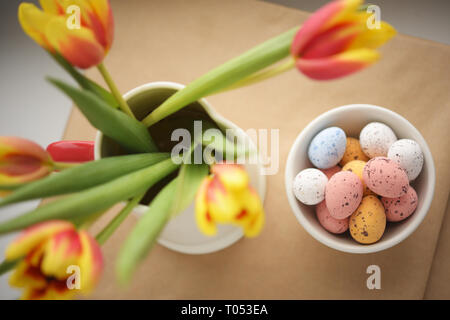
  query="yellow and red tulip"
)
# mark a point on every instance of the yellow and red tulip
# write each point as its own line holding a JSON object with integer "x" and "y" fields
{"x": 226, "y": 197}
{"x": 22, "y": 161}
{"x": 335, "y": 41}
{"x": 83, "y": 47}
{"x": 48, "y": 250}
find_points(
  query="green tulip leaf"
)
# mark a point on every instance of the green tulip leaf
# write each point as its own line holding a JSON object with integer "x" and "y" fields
{"x": 128, "y": 132}
{"x": 83, "y": 176}
{"x": 188, "y": 181}
{"x": 84, "y": 204}
{"x": 85, "y": 82}
{"x": 144, "y": 234}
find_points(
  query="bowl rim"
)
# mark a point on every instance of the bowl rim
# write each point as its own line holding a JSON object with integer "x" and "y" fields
{"x": 358, "y": 248}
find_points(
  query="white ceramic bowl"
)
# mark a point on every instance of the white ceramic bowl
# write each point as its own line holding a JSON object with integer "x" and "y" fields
{"x": 352, "y": 118}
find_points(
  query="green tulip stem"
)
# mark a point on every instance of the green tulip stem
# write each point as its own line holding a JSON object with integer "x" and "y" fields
{"x": 262, "y": 75}
{"x": 6, "y": 265}
{"x": 112, "y": 86}
{"x": 118, "y": 219}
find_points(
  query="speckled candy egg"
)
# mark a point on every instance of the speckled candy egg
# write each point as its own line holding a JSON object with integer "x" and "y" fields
{"x": 398, "y": 209}
{"x": 328, "y": 222}
{"x": 343, "y": 194}
{"x": 309, "y": 186}
{"x": 408, "y": 155}
{"x": 385, "y": 177}
{"x": 353, "y": 151}
{"x": 357, "y": 167}
{"x": 331, "y": 171}
{"x": 327, "y": 148}
{"x": 376, "y": 138}
{"x": 368, "y": 222}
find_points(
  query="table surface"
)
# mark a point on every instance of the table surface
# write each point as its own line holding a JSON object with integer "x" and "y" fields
{"x": 180, "y": 40}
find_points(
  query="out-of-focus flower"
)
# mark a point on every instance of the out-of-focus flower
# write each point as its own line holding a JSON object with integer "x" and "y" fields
{"x": 49, "y": 250}
{"x": 83, "y": 46}
{"x": 336, "y": 41}
{"x": 22, "y": 160}
{"x": 226, "y": 197}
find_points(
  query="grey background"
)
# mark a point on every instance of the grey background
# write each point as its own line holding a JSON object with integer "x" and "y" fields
{"x": 31, "y": 108}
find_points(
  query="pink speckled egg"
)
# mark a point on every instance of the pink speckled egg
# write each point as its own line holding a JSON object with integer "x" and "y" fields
{"x": 331, "y": 171}
{"x": 343, "y": 193}
{"x": 385, "y": 177}
{"x": 328, "y": 222}
{"x": 398, "y": 209}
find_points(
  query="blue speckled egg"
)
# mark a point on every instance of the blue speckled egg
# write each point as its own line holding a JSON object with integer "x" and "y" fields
{"x": 327, "y": 148}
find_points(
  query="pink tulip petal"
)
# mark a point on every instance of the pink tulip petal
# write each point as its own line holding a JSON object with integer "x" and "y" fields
{"x": 338, "y": 65}
{"x": 16, "y": 145}
{"x": 314, "y": 25}
{"x": 103, "y": 12}
{"x": 331, "y": 41}
{"x": 62, "y": 250}
{"x": 32, "y": 236}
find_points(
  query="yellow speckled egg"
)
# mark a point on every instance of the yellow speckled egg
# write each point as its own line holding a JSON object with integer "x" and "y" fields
{"x": 353, "y": 151}
{"x": 368, "y": 222}
{"x": 357, "y": 167}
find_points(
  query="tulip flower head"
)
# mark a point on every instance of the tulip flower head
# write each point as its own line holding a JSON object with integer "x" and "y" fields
{"x": 226, "y": 197}
{"x": 22, "y": 161}
{"x": 52, "y": 251}
{"x": 336, "y": 41}
{"x": 55, "y": 28}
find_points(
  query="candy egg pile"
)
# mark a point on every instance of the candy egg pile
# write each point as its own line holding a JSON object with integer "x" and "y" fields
{"x": 360, "y": 184}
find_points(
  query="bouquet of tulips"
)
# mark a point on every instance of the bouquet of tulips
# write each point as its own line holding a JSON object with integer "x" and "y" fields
{"x": 334, "y": 42}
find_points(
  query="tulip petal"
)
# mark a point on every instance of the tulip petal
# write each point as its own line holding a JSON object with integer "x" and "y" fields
{"x": 26, "y": 276}
{"x": 89, "y": 18}
{"x": 254, "y": 227}
{"x": 33, "y": 236}
{"x": 52, "y": 7}
{"x": 56, "y": 290}
{"x": 203, "y": 218}
{"x": 22, "y": 160}
{"x": 78, "y": 46}
{"x": 223, "y": 205}
{"x": 348, "y": 12}
{"x": 34, "y": 257}
{"x": 332, "y": 41}
{"x": 233, "y": 176}
{"x": 324, "y": 18}
{"x": 34, "y": 23}
{"x": 18, "y": 169}
{"x": 338, "y": 65}
{"x": 103, "y": 11}
{"x": 373, "y": 38}
{"x": 91, "y": 262}
{"x": 16, "y": 145}
{"x": 62, "y": 250}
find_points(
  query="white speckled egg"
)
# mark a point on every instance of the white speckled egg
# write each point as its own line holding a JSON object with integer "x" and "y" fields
{"x": 408, "y": 155}
{"x": 376, "y": 138}
{"x": 327, "y": 148}
{"x": 309, "y": 186}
